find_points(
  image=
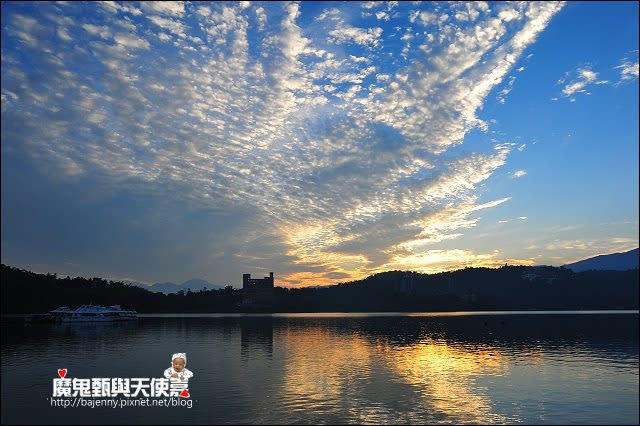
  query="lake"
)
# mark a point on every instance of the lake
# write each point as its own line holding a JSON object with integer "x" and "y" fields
{"x": 490, "y": 367}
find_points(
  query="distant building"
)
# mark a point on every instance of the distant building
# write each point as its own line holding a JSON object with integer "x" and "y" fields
{"x": 541, "y": 274}
{"x": 257, "y": 292}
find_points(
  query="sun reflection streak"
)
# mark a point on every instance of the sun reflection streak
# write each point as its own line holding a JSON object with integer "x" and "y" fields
{"x": 444, "y": 374}
{"x": 379, "y": 381}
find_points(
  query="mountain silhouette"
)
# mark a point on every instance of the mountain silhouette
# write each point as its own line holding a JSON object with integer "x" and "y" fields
{"x": 607, "y": 262}
{"x": 193, "y": 284}
{"x": 468, "y": 289}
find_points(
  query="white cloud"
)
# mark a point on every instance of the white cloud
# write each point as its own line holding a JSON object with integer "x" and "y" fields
{"x": 331, "y": 14}
{"x": 504, "y": 92}
{"x": 355, "y": 78}
{"x": 262, "y": 17}
{"x": 345, "y": 33}
{"x": 353, "y": 163}
{"x": 509, "y": 14}
{"x": 370, "y": 4}
{"x": 64, "y": 34}
{"x": 171, "y": 8}
{"x": 519, "y": 174}
{"x": 26, "y": 29}
{"x": 360, "y": 59}
{"x": 348, "y": 34}
{"x": 172, "y": 25}
{"x": 628, "y": 69}
{"x": 114, "y": 7}
{"x": 424, "y": 17}
{"x": 469, "y": 11}
{"x": 585, "y": 76}
{"x": 203, "y": 10}
{"x": 131, "y": 41}
{"x": 381, "y": 15}
{"x": 103, "y": 31}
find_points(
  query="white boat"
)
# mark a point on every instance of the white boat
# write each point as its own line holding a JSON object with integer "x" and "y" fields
{"x": 92, "y": 313}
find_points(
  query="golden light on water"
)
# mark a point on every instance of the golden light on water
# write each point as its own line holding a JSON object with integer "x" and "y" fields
{"x": 444, "y": 374}
{"x": 324, "y": 368}
{"x": 317, "y": 360}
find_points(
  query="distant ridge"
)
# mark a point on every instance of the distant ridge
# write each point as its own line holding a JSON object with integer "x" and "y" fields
{"x": 509, "y": 288}
{"x": 192, "y": 284}
{"x": 607, "y": 262}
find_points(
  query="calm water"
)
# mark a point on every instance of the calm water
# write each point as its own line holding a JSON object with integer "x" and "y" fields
{"x": 341, "y": 368}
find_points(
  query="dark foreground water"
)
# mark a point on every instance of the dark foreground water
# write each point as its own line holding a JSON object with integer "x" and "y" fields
{"x": 340, "y": 368}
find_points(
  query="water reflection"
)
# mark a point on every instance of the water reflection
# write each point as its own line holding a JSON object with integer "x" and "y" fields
{"x": 256, "y": 333}
{"x": 415, "y": 369}
{"x": 343, "y": 369}
{"x": 376, "y": 379}
{"x": 444, "y": 376}
{"x": 327, "y": 372}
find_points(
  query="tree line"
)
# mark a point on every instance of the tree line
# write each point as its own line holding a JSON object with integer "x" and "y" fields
{"x": 469, "y": 289}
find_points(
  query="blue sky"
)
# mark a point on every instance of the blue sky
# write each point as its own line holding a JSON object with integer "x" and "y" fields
{"x": 322, "y": 141}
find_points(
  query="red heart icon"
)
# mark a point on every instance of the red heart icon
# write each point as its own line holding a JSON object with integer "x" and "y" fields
{"x": 184, "y": 393}
{"x": 62, "y": 372}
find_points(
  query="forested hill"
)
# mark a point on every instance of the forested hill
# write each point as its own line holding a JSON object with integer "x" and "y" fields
{"x": 611, "y": 262}
{"x": 506, "y": 288}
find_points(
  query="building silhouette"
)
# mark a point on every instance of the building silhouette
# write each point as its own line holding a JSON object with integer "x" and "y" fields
{"x": 257, "y": 292}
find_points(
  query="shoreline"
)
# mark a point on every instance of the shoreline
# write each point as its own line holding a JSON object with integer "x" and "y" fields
{"x": 368, "y": 313}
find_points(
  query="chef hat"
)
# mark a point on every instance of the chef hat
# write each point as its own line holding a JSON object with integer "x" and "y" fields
{"x": 179, "y": 355}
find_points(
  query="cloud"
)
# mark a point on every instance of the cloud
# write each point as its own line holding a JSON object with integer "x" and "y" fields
{"x": 131, "y": 41}
{"x": 172, "y": 25}
{"x": 114, "y": 7}
{"x": 437, "y": 260}
{"x": 64, "y": 34}
{"x": 262, "y": 17}
{"x": 340, "y": 158}
{"x": 370, "y": 4}
{"x": 26, "y": 29}
{"x": 103, "y": 31}
{"x": 381, "y": 15}
{"x": 605, "y": 246}
{"x": 424, "y": 17}
{"x": 628, "y": 71}
{"x": 519, "y": 174}
{"x": 345, "y": 34}
{"x": 342, "y": 32}
{"x": 585, "y": 76}
{"x": 171, "y": 8}
{"x": 629, "y": 67}
{"x": 504, "y": 92}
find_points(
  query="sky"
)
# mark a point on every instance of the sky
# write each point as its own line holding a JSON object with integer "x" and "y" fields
{"x": 323, "y": 141}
